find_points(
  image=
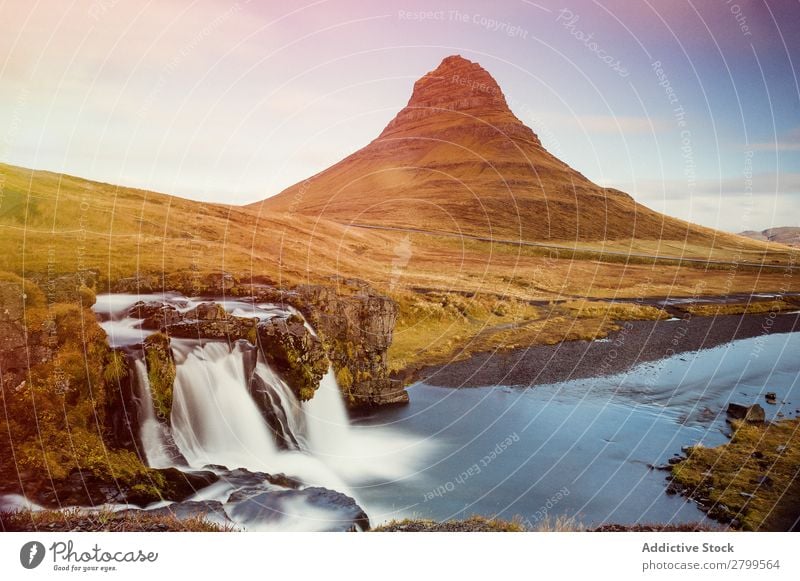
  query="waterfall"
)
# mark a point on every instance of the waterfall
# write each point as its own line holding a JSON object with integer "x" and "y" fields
{"x": 222, "y": 417}
{"x": 153, "y": 434}
{"x": 329, "y": 434}
{"x": 231, "y": 410}
{"x": 279, "y": 406}
{"x": 217, "y": 421}
{"x": 360, "y": 454}
{"x": 214, "y": 417}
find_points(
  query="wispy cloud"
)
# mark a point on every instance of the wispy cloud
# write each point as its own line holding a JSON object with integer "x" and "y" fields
{"x": 788, "y": 142}
{"x": 762, "y": 184}
{"x": 728, "y": 204}
{"x": 620, "y": 124}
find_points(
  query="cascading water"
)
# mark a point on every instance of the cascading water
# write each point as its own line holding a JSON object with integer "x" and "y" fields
{"x": 214, "y": 418}
{"x": 153, "y": 433}
{"x": 230, "y": 410}
{"x": 281, "y": 406}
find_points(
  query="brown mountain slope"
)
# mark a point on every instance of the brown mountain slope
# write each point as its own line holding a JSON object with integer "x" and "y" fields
{"x": 456, "y": 159}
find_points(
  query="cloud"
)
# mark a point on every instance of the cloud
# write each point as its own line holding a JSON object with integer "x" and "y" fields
{"x": 788, "y": 142}
{"x": 619, "y": 124}
{"x": 762, "y": 184}
{"x": 725, "y": 204}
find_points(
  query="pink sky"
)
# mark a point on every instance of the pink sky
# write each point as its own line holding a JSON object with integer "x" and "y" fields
{"x": 233, "y": 101}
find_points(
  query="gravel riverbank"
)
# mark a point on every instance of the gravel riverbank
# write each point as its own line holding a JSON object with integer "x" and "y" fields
{"x": 636, "y": 342}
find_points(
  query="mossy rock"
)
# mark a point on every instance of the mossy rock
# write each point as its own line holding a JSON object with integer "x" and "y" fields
{"x": 295, "y": 353}
{"x": 16, "y": 294}
{"x": 161, "y": 373}
{"x": 87, "y": 296}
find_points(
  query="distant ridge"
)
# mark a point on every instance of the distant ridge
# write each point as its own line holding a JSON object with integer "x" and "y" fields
{"x": 789, "y": 235}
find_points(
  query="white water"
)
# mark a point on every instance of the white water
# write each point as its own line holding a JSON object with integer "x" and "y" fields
{"x": 152, "y": 432}
{"x": 125, "y": 332}
{"x": 216, "y": 421}
{"x": 295, "y": 415}
{"x": 360, "y": 454}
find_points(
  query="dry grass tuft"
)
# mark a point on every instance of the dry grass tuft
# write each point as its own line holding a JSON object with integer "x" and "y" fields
{"x": 751, "y": 308}
{"x": 80, "y": 520}
{"x": 754, "y": 478}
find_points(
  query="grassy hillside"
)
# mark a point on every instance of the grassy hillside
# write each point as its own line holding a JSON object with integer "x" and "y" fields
{"x": 450, "y": 290}
{"x": 53, "y": 223}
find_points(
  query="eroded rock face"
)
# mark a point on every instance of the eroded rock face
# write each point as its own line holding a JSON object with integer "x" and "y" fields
{"x": 357, "y": 332}
{"x": 20, "y": 347}
{"x": 122, "y": 413}
{"x": 295, "y": 353}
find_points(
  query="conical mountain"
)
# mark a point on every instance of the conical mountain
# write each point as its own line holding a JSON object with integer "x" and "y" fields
{"x": 457, "y": 159}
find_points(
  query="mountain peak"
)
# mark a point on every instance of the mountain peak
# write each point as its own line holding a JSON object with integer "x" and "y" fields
{"x": 458, "y": 85}
{"x": 457, "y": 159}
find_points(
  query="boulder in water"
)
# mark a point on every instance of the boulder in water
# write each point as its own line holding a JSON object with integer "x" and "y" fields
{"x": 155, "y": 315}
{"x": 317, "y": 508}
{"x": 181, "y": 485}
{"x": 752, "y": 413}
{"x": 210, "y": 510}
{"x": 209, "y": 320}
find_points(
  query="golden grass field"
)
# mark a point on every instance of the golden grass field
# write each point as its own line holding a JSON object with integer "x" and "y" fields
{"x": 53, "y": 224}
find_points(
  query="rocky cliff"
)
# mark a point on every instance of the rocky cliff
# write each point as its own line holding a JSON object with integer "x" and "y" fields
{"x": 353, "y": 323}
{"x": 294, "y": 352}
{"x": 356, "y": 329}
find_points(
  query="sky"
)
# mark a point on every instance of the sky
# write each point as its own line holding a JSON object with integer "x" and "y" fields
{"x": 691, "y": 106}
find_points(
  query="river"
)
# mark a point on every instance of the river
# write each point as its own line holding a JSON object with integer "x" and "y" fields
{"x": 583, "y": 448}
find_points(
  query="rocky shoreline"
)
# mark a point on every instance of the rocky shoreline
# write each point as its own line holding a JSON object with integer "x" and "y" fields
{"x": 636, "y": 342}
{"x": 751, "y": 481}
